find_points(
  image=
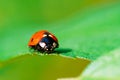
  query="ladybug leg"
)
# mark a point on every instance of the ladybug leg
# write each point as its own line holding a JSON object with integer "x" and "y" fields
{"x": 31, "y": 49}
{"x": 39, "y": 49}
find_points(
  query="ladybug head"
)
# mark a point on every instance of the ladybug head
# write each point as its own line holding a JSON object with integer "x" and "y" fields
{"x": 48, "y": 44}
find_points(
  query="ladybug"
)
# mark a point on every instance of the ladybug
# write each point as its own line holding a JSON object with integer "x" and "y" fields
{"x": 43, "y": 41}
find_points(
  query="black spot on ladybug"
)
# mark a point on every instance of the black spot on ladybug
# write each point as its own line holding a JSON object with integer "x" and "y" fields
{"x": 31, "y": 39}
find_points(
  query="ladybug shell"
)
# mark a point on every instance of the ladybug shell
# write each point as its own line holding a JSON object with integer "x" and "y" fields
{"x": 34, "y": 40}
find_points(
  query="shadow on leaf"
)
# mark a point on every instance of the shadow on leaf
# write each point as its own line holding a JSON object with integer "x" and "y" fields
{"x": 63, "y": 50}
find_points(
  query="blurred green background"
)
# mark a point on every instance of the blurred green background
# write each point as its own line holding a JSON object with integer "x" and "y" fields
{"x": 77, "y": 24}
{"x": 87, "y": 29}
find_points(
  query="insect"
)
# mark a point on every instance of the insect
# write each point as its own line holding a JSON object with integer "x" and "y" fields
{"x": 43, "y": 41}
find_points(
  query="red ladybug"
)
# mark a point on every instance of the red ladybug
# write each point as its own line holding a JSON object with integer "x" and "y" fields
{"x": 43, "y": 41}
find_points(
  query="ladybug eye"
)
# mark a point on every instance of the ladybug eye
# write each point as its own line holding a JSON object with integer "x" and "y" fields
{"x": 54, "y": 44}
{"x": 42, "y": 44}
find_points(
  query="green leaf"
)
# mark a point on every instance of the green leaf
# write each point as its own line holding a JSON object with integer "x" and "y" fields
{"x": 41, "y": 67}
{"x": 85, "y": 29}
{"x": 107, "y": 67}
